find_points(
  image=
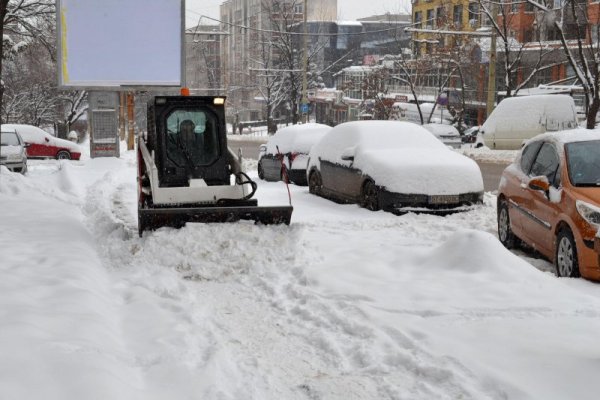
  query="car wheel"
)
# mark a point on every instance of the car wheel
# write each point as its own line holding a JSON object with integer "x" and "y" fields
{"x": 566, "y": 255}
{"x": 63, "y": 155}
{"x": 505, "y": 234}
{"x": 261, "y": 173}
{"x": 478, "y": 145}
{"x": 370, "y": 196}
{"x": 314, "y": 182}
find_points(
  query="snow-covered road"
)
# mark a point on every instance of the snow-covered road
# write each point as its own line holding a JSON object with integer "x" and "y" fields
{"x": 342, "y": 304}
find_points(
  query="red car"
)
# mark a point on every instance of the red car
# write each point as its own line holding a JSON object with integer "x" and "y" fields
{"x": 43, "y": 145}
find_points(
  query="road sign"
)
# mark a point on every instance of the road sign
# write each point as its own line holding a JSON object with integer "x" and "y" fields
{"x": 304, "y": 108}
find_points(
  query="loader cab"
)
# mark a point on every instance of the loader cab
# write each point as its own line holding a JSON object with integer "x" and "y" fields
{"x": 188, "y": 137}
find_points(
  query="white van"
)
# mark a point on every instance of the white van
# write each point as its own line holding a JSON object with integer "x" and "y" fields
{"x": 517, "y": 119}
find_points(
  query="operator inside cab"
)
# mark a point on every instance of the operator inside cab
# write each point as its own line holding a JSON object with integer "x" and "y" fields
{"x": 192, "y": 142}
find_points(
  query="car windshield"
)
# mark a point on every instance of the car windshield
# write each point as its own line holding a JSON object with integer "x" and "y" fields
{"x": 9, "y": 139}
{"x": 583, "y": 159}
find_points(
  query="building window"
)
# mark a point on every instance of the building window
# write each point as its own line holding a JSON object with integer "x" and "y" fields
{"x": 474, "y": 15}
{"x": 440, "y": 15}
{"x": 514, "y": 7}
{"x": 418, "y": 19}
{"x": 458, "y": 15}
{"x": 298, "y": 8}
{"x": 430, "y": 18}
{"x": 428, "y": 48}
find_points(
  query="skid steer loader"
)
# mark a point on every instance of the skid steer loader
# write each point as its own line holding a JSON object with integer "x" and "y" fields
{"x": 186, "y": 172}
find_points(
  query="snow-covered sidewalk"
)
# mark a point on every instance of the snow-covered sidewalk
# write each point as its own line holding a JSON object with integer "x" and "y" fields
{"x": 344, "y": 303}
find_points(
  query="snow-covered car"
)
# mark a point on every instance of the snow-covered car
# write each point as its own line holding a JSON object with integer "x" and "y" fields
{"x": 549, "y": 198}
{"x": 447, "y": 134}
{"x": 43, "y": 145}
{"x": 289, "y": 148}
{"x": 13, "y": 153}
{"x": 474, "y": 137}
{"x": 392, "y": 165}
{"x": 517, "y": 119}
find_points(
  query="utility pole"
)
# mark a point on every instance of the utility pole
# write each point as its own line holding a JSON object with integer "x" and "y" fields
{"x": 491, "y": 95}
{"x": 130, "y": 121}
{"x": 304, "y": 102}
{"x": 122, "y": 115}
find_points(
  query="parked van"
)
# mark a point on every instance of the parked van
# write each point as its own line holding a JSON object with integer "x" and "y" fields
{"x": 517, "y": 119}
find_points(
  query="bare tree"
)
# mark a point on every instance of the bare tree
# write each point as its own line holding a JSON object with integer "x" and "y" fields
{"x": 28, "y": 20}
{"x": 521, "y": 49}
{"x": 282, "y": 16}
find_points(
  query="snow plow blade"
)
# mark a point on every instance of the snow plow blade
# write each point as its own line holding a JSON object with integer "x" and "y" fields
{"x": 176, "y": 217}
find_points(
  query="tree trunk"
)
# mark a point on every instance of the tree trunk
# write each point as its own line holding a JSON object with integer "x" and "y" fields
{"x": 592, "y": 112}
{"x": 3, "y": 5}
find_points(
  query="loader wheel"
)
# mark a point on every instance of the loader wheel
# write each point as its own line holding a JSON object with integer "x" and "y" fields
{"x": 315, "y": 183}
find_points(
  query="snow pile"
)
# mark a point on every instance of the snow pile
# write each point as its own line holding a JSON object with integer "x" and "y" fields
{"x": 485, "y": 154}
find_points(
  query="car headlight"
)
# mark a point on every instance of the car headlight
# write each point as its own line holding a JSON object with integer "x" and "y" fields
{"x": 589, "y": 212}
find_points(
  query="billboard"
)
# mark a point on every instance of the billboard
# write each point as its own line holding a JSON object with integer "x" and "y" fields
{"x": 113, "y": 43}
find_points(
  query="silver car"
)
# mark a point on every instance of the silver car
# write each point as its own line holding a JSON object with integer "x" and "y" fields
{"x": 12, "y": 151}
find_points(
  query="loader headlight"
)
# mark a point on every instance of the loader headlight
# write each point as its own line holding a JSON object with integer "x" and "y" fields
{"x": 219, "y": 101}
{"x": 589, "y": 212}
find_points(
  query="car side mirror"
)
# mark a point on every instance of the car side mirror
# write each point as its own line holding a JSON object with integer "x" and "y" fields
{"x": 348, "y": 154}
{"x": 26, "y": 145}
{"x": 539, "y": 183}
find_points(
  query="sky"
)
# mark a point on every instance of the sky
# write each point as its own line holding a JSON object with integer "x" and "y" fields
{"x": 347, "y": 9}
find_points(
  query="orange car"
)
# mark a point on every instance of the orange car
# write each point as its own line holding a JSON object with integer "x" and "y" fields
{"x": 549, "y": 198}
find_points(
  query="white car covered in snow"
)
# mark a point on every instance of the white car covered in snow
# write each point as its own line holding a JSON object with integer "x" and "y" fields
{"x": 13, "y": 154}
{"x": 289, "y": 148}
{"x": 447, "y": 134}
{"x": 392, "y": 165}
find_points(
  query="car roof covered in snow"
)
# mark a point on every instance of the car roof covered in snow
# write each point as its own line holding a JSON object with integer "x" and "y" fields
{"x": 568, "y": 136}
{"x": 296, "y": 138}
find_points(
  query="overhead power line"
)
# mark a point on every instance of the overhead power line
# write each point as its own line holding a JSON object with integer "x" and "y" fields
{"x": 301, "y": 33}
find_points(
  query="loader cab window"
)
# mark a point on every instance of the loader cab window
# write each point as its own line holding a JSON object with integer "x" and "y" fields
{"x": 192, "y": 138}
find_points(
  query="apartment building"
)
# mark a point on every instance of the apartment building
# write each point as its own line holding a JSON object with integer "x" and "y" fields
{"x": 203, "y": 59}
{"x": 448, "y": 15}
{"x": 246, "y": 22}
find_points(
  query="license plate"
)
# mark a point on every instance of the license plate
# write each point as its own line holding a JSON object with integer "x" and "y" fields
{"x": 443, "y": 199}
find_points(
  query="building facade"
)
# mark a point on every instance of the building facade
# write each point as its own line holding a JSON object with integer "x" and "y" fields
{"x": 203, "y": 59}
{"x": 246, "y": 62}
